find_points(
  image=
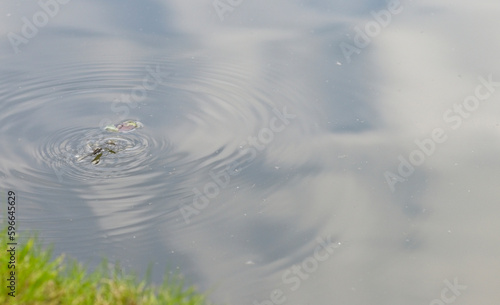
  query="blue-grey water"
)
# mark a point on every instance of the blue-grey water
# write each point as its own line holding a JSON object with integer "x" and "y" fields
{"x": 293, "y": 152}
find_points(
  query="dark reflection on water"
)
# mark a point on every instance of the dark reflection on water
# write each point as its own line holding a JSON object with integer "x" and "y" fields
{"x": 263, "y": 150}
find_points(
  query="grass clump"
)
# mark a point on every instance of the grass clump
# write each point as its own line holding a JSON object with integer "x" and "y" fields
{"x": 43, "y": 281}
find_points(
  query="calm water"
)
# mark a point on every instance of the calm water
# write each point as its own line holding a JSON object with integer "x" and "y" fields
{"x": 293, "y": 152}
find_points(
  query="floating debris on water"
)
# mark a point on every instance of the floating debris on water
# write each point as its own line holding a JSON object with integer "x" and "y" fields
{"x": 124, "y": 126}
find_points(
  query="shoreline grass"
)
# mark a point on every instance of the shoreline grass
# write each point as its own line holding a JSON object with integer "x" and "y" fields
{"x": 41, "y": 280}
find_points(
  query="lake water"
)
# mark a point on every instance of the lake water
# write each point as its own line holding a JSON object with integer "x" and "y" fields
{"x": 293, "y": 152}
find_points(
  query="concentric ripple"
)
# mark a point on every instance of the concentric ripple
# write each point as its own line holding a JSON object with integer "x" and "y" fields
{"x": 71, "y": 152}
{"x": 200, "y": 119}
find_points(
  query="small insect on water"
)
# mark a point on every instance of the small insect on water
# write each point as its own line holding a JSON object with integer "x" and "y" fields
{"x": 99, "y": 150}
{"x": 102, "y": 148}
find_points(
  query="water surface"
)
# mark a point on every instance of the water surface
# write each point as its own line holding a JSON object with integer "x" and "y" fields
{"x": 284, "y": 158}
